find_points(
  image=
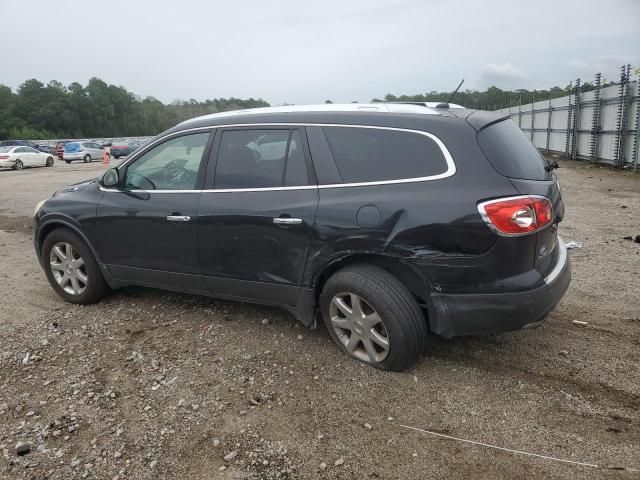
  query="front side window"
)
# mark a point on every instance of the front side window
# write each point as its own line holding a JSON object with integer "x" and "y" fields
{"x": 371, "y": 154}
{"x": 172, "y": 165}
{"x": 260, "y": 159}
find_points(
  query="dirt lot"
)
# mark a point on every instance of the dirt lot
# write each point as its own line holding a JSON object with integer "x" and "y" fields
{"x": 148, "y": 384}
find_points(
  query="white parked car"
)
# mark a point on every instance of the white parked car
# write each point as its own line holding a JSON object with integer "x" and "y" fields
{"x": 20, "y": 156}
{"x": 86, "y": 151}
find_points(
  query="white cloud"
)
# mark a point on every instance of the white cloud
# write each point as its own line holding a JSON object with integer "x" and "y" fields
{"x": 578, "y": 64}
{"x": 502, "y": 75}
{"x": 608, "y": 65}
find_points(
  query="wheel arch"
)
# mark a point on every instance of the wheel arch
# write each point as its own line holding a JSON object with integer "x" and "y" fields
{"x": 415, "y": 283}
{"x": 50, "y": 225}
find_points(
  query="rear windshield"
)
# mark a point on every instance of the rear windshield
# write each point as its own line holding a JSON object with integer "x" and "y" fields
{"x": 5, "y": 149}
{"x": 72, "y": 147}
{"x": 511, "y": 153}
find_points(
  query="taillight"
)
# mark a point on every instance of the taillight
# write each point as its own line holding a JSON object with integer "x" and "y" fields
{"x": 513, "y": 216}
{"x": 4, "y": 157}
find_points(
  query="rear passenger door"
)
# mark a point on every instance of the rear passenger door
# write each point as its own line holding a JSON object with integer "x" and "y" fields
{"x": 256, "y": 214}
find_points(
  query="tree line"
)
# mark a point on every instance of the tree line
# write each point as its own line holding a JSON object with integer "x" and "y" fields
{"x": 493, "y": 97}
{"x": 38, "y": 111}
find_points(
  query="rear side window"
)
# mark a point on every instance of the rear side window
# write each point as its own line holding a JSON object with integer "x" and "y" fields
{"x": 372, "y": 154}
{"x": 511, "y": 153}
{"x": 72, "y": 147}
{"x": 260, "y": 159}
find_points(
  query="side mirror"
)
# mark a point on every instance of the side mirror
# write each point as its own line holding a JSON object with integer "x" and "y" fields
{"x": 111, "y": 178}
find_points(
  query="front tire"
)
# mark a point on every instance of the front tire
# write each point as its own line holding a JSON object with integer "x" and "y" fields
{"x": 373, "y": 318}
{"x": 71, "y": 268}
{"x": 87, "y": 158}
{"x": 49, "y": 162}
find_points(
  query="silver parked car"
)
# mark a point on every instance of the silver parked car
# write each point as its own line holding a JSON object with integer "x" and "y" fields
{"x": 86, "y": 151}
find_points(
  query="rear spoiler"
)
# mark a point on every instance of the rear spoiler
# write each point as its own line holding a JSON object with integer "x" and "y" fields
{"x": 480, "y": 119}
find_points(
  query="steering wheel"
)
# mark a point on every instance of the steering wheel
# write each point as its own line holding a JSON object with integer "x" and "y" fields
{"x": 174, "y": 173}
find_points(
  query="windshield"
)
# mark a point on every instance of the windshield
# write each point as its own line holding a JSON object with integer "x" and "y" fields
{"x": 72, "y": 147}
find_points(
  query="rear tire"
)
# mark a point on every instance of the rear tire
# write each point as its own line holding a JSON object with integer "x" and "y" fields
{"x": 49, "y": 162}
{"x": 18, "y": 165}
{"x": 67, "y": 161}
{"x": 72, "y": 259}
{"x": 379, "y": 297}
{"x": 87, "y": 158}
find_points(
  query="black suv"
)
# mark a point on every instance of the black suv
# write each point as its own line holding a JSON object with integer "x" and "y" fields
{"x": 393, "y": 221}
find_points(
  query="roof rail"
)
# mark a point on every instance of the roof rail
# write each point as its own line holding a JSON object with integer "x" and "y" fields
{"x": 432, "y": 104}
{"x": 381, "y": 107}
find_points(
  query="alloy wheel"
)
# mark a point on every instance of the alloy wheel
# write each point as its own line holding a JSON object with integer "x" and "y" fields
{"x": 68, "y": 268}
{"x": 359, "y": 327}
{"x": 18, "y": 165}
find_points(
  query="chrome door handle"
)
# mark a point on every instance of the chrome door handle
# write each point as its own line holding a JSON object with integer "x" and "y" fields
{"x": 287, "y": 221}
{"x": 178, "y": 218}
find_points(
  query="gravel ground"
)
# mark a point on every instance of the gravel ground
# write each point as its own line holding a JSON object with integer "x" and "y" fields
{"x": 148, "y": 384}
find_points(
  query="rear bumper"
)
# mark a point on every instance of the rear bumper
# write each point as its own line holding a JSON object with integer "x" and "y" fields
{"x": 7, "y": 163}
{"x": 476, "y": 314}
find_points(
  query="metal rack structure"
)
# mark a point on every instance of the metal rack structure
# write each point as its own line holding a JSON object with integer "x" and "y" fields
{"x": 600, "y": 125}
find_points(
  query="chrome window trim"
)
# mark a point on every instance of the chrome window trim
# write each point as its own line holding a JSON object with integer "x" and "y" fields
{"x": 450, "y": 171}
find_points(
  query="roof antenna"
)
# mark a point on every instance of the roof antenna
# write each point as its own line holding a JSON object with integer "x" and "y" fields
{"x": 446, "y": 104}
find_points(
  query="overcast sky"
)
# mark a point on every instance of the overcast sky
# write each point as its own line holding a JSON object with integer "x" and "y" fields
{"x": 309, "y": 51}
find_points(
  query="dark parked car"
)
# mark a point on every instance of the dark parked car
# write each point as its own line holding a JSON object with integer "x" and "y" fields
{"x": 19, "y": 143}
{"x": 393, "y": 222}
{"x": 46, "y": 148}
{"x": 123, "y": 149}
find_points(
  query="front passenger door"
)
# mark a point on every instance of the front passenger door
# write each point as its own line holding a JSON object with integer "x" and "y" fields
{"x": 26, "y": 156}
{"x": 146, "y": 229}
